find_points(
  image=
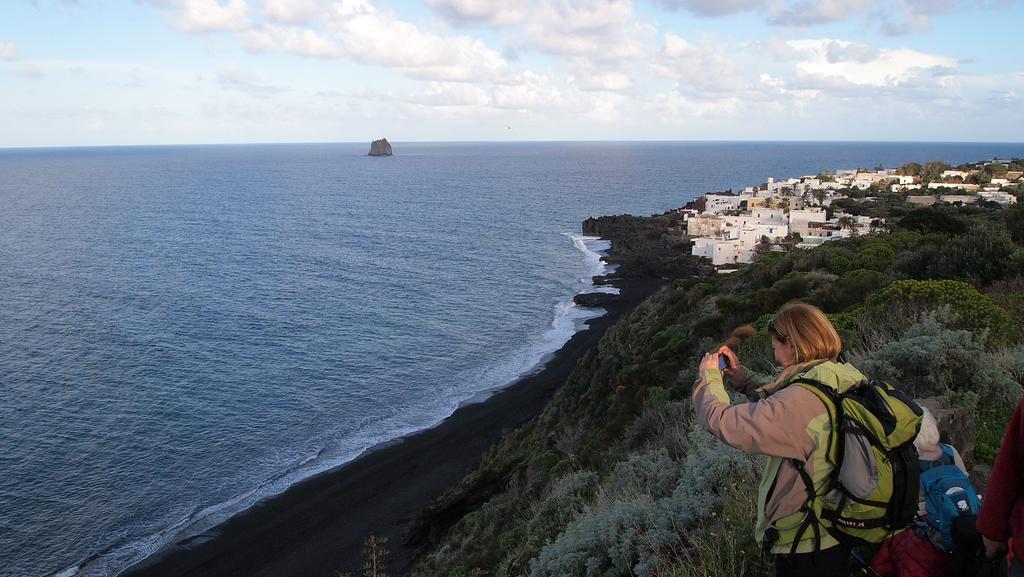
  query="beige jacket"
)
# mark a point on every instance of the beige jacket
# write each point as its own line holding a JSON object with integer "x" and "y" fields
{"x": 791, "y": 423}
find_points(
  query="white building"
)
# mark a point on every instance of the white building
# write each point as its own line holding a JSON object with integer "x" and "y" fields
{"x": 799, "y": 220}
{"x": 720, "y": 251}
{"x": 998, "y": 196}
{"x": 704, "y": 225}
{"x": 956, "y": 185}
{"x": 961, "y": 198}
{"x": 716, "y": 203}
{"x": 954, "y": 174}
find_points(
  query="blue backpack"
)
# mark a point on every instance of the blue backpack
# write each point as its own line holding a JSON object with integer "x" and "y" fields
{"x": 948, "y": 495}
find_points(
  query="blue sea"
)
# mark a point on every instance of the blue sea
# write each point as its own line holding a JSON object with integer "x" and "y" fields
{"x": 185, "y": 330}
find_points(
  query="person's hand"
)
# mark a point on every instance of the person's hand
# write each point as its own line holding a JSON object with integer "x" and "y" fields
{"x": 710, "y": 361}
{"x": 994, "y": 549}
{"x": 734, "y": 361}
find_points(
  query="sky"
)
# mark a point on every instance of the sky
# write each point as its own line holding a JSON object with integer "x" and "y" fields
{"x": 109, "y": 72}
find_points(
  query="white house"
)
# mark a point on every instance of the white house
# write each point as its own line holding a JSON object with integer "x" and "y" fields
{"x": 720, "y": 251}
{"x": 719, "y": 202}
{"x": 954, "y": 174}
{"x": 998, "y": 196}
{"x": 961, "y": 198}
{"x": 704, "y": 225}
{"x": 799, "y": 220}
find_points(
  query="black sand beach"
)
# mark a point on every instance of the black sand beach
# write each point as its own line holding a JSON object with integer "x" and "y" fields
{"x": 318, "y": 527}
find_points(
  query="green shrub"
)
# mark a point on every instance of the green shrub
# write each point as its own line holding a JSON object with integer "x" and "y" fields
{"x": 973, "y": 310}
{"x": 933, "y": 220}
{"x": 849, "y": 289}
{"x": 642, "y": 509}
{"x": 840, "y": 264}
{"x": 983, "y": 255}
{"x": 931, "y": 358}
{"x": 1013, "y": 218}
{"x": 876, "y": 256}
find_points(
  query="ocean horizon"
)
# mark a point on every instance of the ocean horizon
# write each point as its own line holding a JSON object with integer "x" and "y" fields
{"x": 187, "y": 329}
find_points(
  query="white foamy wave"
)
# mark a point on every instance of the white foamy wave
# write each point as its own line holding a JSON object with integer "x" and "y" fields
{"x": 593, "y": 248}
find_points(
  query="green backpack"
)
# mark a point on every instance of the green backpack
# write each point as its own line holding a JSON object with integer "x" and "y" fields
{"x": 873, "y": 491}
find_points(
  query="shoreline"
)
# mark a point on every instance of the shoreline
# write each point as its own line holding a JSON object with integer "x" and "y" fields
{"x": 318, "y": 526}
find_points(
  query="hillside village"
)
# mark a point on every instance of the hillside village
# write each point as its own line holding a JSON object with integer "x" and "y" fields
{"x": 730, "y": 228}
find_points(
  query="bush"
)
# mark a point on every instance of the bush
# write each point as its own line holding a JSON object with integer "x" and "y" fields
{"x": 849, "y": 289}
{"x": 983, "y": 255}
{"x": 876, "y": 256}
{"x": 1013, "y": 218}
{"x": 933, "y": 219}
{"x": 932, "y": 358}
{"x": 840, "y": 264}
{"x": 642, "y": 510}
{"x": 972, "y": 310}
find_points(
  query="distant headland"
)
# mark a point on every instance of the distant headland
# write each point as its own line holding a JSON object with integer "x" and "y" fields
{"x": 380, "y": 148}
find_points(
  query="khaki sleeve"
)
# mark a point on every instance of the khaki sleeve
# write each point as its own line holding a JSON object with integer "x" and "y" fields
{"x": 775, "y": 426}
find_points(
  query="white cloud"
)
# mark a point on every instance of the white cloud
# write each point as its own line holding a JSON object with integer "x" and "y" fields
{"x": 891, "y": 17}
{"x": 247, "y": 82}
{"x": 674, "y": 105}
{"x": 840, "y": 60}
{"x": 704, "y": 66}
{"x": 597, "y": 29}
{"x": 8, "y": 51}
{"x": 712, "y": 7}
{"x": 821, "y": 12}
{"x": 490, "y": 12}
{"x": 379, "y": 37}
{"x": 589, "y": 78}
{"x": 290, "y": 11}
{"x": 445, "y": 94}
{"x": 212, "y": 16}
{"x": 293, "y": 40}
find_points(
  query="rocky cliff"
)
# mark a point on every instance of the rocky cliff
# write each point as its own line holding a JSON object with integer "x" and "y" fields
{"x": 380, "y": 148}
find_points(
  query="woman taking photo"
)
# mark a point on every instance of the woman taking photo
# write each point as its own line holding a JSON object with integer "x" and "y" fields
{"x": 792, "y": 427}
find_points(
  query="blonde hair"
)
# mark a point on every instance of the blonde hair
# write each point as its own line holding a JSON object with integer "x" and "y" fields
{"x": 809, "y": 330}
{"x": 928, "y": 436}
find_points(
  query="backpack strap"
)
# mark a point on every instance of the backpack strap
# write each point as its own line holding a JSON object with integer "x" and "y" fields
{"x": 833, "y": 406}
{"x": 949, "y": 451}
{"x": 810, "y": 518}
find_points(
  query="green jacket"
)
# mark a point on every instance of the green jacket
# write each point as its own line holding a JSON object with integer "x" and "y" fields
{"x": 790, "y": 423}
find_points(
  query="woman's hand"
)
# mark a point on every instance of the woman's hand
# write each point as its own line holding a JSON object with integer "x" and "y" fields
{"x": 713, "y": 360}
{"x": 710, "y": 361}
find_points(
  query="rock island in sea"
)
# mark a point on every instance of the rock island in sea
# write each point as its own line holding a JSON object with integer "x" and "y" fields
{"x": 380, "y": 148}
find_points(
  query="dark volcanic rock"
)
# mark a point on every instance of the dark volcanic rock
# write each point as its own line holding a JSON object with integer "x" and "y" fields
{"x": 594, "y": 299}
{"x": 380, "y": 148}
{"x": 646, "y": 247}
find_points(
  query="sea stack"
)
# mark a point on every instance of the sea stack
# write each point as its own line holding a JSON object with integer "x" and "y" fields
{"x": 380, "y": 148}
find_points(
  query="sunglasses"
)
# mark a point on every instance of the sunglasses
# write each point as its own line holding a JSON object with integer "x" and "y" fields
{"x": 775, "y": 331}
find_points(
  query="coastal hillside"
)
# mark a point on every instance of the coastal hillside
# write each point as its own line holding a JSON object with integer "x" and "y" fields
{"x": 614, "y": 477}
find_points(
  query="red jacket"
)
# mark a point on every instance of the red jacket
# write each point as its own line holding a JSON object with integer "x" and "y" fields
{"x": 908, "y": 555}
{"x": 1002, "y": 510}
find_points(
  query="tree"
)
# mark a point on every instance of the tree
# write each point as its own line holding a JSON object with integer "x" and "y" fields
{"x": 996, "y": 170}
{"x": 375, "y": 557}
{"x": 979, "y": 178}
{"x": 847, "y": 223}
{"x": 1014, "y": 219}
{"x": 932, "y": 170}
{"x": 909, "y": 169}
{"x": 933, "y": 219}
{"x": 819, "y": 195}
